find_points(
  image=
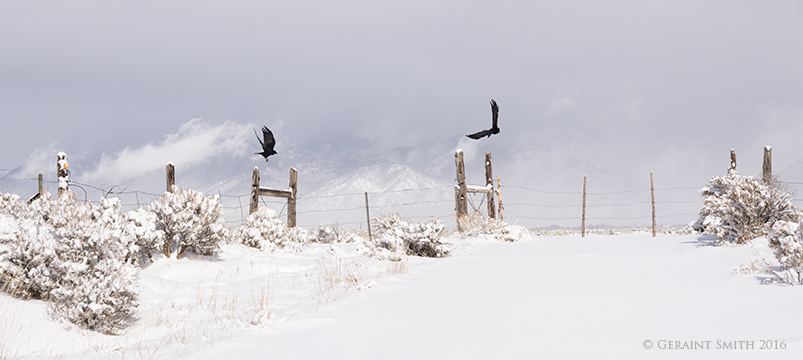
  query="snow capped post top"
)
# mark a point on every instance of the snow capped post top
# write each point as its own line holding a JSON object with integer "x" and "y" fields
{"x": 62, "y": 173}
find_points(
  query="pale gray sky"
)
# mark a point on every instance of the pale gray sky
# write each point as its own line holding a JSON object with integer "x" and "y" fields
{"x": 626, "y": 86}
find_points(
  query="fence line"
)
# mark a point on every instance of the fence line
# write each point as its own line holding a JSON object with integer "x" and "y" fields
{"x": 511, "y": 213}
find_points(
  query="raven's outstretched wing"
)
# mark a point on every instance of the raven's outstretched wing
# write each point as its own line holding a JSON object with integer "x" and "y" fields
{"x": 481, "y": 134}
{"x": 494, "y": 112}
{"x": 270, "y": 141}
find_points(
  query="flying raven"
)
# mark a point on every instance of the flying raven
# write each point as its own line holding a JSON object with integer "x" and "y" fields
{"x": 494, "y": 129}
{"x": 267, "y": 144}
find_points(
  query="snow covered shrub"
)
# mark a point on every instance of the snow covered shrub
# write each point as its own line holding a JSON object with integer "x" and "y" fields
{"x": 264, "y": 230}
{"x": 394, "y": 236}
{"x": 477, "y": 224}
{"x": 141, "y": 227}
{"x": 190, "y": 221}
{"x": 786, "y": 239}
{"x": 740, "y": 208}
{"x": 335, "y": 234}
{"x": 11, "y": 205}
{"x": 79, "y": 257}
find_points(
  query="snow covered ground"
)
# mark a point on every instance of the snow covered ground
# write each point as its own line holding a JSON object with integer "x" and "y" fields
{"x": 547, "y": 297}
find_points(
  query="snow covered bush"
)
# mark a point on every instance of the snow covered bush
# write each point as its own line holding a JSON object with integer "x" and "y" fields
{"x": 477, "y": 224}
{"x": 740, "y": 208}
{"x": 141, "y": 226}
{"x": 264, "y": 230}
{"x": 79, "y": 257}
{"x": 786, "y": 239}
{"x": 190, "y": 221}
{"x": 335, "y": 234}
{"x": 395, "y": 236}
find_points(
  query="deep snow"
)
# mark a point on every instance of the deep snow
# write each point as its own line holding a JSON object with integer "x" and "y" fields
{"x": 547, "y": 297}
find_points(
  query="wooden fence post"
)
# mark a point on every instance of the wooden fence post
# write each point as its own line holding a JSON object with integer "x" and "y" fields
{"x": 732, "y": 167}
{"x": 461, "y": 201}
{"x": 62, "y": 173}
{"x": 252, "y": 208}
{"x": 489, "y": 180}
{"x": 368, "y": 216}
{"x": 652, "y": 198}
{"x": 41, "y": 187}
{"x": 583, "y": 223}
{"x": 170, "y": 171}
{"x": 499, "y": 196}
{"x": 767, "y": 167}
{"x": 291, "y": 201}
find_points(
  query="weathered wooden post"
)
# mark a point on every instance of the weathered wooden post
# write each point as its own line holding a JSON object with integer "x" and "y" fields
{"x": 461, "y": 204}
{"x": 254, "y": 192}
{"x": 652, "y": 197}
{"x": 170, "y": 172}
{"x": 41, "y": 187}
{"x": 499, "y": 196}
{"x": 62, "y": 173}
{"x": 367, "y": 216}
{"x": 583, "y": 222}
{"x": 732, "y": 167}
{"x": 767, "y": 167}
{"x": 489, "y": 181}
{"x": 291, "y": 201}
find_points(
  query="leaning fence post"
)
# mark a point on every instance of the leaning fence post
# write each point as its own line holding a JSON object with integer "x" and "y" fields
{"x": 489, "y": 181}
{"x": 170, "y": 171}
{"x": 652, "y": 198}
{"x": 254, "y": 192}
{"x": 767, "y": 167}
{"x": 583, "y": 223}
{"x": 62, "y": 173}
{"x": 291, "y": 201}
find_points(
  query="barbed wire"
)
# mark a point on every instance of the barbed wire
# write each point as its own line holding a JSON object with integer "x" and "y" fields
{"x": 118, "y": 191}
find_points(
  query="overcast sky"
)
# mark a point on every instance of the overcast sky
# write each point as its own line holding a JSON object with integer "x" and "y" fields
{"x": 630, "y": 86}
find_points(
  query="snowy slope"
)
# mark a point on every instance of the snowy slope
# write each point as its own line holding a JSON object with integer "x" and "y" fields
{"x": 550, "y": 297}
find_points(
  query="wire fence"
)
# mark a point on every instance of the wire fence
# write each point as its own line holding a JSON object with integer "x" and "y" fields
{"x": 552, "y": 207}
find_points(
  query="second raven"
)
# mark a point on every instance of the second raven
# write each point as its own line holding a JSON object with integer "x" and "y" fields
{"x": 494, "y": 129}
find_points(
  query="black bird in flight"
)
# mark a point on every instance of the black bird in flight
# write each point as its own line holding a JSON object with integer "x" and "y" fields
{"x": 494, "y": 129}
{"x": 267, "y": 144}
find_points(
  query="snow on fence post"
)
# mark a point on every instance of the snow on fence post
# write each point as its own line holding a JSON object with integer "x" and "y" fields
{"x": 732, "y": 167}
{"x": 170, "y": 172}
{"x": 767, "y": 166}
{"x": 62, "y": 173}
{"x": 253, "y": 207}
{"x": 583, "y": 222}
{"x": 461, "y": 205}
{"x": 652, "y": 200}
{"x": 489, "y": 181}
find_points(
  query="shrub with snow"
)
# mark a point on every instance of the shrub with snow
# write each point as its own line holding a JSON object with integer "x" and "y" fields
{"x": 78, "y": 256}
{"x": 190, "y": 221}
{"x": 477, "y": 224}
{"x": 141, "y": 226}
{"x": 786, "y": 238}
{"x": 395, "y": 236}
{"x": 740, "y": 208}
{"x": 264, "y": 230}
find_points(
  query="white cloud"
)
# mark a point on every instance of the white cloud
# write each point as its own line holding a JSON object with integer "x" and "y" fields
{"x": 194, "y": 142}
